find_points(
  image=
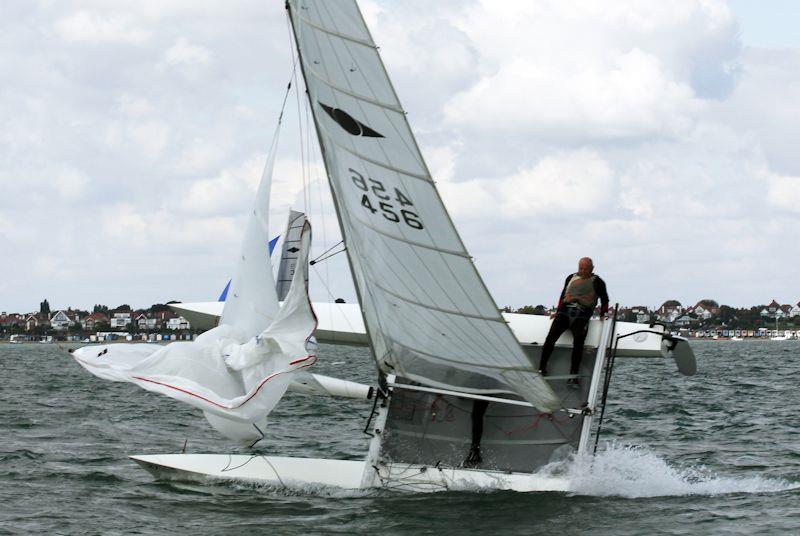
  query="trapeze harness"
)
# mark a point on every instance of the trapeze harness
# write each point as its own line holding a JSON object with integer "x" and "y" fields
{"x": 580, "y": 296}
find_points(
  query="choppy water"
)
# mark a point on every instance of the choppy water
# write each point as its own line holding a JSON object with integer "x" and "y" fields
{"x": 718, "y": 453}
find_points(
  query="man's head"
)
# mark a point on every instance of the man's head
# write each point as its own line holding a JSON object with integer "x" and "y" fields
{"x": 585, "y": 267}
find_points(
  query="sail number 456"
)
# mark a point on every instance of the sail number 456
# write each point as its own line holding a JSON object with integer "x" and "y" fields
{"x": 383, "y": 201}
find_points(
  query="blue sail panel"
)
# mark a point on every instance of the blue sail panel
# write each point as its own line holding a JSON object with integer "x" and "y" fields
{"x": 228, "y": 286}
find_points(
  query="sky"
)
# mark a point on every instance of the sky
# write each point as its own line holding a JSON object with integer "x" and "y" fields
{"x": 659, "y": 138}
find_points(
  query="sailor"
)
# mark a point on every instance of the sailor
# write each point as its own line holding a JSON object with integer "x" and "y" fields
{"x": 474, "y": 457}
{"x": 575, "y": 307}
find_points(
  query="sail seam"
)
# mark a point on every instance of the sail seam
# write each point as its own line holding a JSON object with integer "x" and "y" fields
{"x": 418, "y": 156}
{"x": 463, "y": 338}
{"x": 353, "y": 94}
{"x": 515, "y": 347}
{"x": 389, "y": 167}
{"x": 464, "y": 335}
{"x": 494, "y": 338}
{"x": 411, "y": 242}
{"x": 335, "y": 33}
{"x": 452, "y": 360}
{"x": 434, "y": 308}
{"x": 412, "y": 151}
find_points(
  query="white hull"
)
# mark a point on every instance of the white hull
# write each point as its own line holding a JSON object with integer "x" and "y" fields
{"x": 342, "y": 323}
{"x": 310, "y": 474}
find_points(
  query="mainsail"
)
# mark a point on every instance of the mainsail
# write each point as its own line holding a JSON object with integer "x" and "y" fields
{"x": 429, "y": 316}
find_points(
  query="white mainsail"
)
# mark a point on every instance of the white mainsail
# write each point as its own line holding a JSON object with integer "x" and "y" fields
{"x": 428, "y": 314}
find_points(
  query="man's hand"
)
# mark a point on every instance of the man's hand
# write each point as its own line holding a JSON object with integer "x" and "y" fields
{"x": 552, "y": 316}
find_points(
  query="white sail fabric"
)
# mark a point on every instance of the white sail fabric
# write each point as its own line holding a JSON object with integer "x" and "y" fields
{"x": 428, "y": 314}
{"x": 252, "y": 302}
{"x": 235, "y": 380}
{"x": 238, "y": 371}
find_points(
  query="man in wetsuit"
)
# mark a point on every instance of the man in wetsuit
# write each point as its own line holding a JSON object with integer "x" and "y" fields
{"x": 575, "y": 307}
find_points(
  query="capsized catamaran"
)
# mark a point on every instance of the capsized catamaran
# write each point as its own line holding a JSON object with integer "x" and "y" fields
{"x": 453, "y": 378}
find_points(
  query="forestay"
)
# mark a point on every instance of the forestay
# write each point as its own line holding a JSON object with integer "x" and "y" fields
{"x": 428, "y": 314}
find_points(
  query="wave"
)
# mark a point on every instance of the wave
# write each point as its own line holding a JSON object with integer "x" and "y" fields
{"x": 634, "y": 472}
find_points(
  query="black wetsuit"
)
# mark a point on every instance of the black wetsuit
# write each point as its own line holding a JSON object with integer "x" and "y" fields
{"x": 573, "y": 315}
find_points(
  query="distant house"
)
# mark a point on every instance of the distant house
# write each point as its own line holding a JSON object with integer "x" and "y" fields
{"x": 120, "y": 318}
{"x": 669, "y": 311}
{"x": 772, "y": 310}
{"x": 161, "y": 318}
{"x": 61, "y": 321}
{"x": 705, "y": 309}
{"x": 89, "y": 322}
{"x": 795, "y": 310}
{"x": 178, "y": 323}
{"x": 8, "y": 320}
{"x": 144, "y": 321}
{"x": 685, "y": 319}
{"x": 34, "y": 320}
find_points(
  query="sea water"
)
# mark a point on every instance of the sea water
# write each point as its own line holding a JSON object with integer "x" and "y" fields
{"x": 718, "y": 453}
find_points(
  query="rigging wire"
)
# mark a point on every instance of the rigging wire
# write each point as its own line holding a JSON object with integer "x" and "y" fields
{"x": 318, "y": 182}
{"x": 299, "y": 115}
{"x": 324, "y": 255}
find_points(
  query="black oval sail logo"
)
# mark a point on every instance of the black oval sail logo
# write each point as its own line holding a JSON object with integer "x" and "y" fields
{"x": 347, "y": 122}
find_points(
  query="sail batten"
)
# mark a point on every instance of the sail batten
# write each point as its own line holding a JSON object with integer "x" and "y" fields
{"x": 364, "y": 98}
{"x": 428, "y": 314}
{"x": 388, "y": 167}
{"x": 414, "y": 242}
{"x": 338, "y": 34}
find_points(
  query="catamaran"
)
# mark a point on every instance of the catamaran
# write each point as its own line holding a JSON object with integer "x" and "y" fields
{"x": 457, "y": 402}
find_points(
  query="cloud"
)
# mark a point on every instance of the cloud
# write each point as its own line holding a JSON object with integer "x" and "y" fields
{"x": 151, "y": 136}
{"x": 640, "y": 133}
{"x": 91, "y": 28}
{"x": 182, "y": 52}
{"x": 229, "y": 193}
{"x": 629, "y": 98}
{"x": 569, "y": 184}
{"x": 134, "y": 106}
{"x": 784, "y": 192}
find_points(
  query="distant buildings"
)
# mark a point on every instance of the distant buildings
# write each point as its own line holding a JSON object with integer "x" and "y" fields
{"x": 121, "y": 319}
{"x": 90, "y": 322}
{"x": 707, "y": 318}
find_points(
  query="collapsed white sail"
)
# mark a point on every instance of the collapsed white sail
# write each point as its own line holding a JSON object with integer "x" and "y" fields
{"x": 428, "y": 314}
{"x": 252, "y": 301}
{"x": 238, "y": 371}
